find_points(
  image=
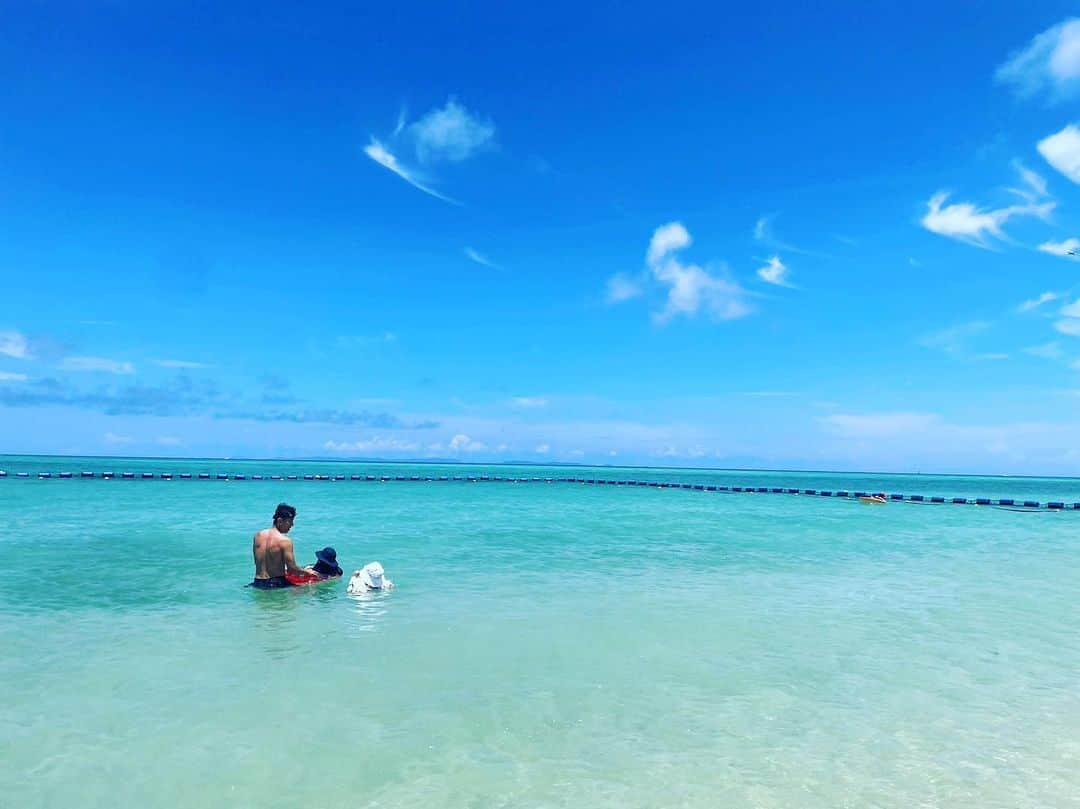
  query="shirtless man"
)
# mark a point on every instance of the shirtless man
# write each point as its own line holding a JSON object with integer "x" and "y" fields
{"x": 273, "y": 551}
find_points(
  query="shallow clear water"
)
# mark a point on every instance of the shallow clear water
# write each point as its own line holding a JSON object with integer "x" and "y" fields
{"x": 547, "y": 645}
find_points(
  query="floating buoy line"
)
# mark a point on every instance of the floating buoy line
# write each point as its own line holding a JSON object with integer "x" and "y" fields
{"x": 1003, "y": 502}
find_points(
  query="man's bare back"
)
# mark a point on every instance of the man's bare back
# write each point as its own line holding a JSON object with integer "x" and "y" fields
{"x": 273, "y": 550}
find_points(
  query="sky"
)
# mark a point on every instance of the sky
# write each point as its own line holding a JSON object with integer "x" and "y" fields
{"x": 838, "y": 237}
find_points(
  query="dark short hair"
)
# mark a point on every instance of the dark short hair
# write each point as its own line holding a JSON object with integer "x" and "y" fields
{"x": 284, "y": 512}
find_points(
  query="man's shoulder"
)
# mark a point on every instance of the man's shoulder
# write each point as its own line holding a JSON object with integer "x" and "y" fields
{"x": 271, "y": 536}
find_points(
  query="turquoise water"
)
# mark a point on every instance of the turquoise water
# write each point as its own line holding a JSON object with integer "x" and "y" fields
{"x": 547, "y": 645}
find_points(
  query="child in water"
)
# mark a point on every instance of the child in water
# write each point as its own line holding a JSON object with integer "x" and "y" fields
{"x": 369, "y": 579}
{"x": 326, "y": 567}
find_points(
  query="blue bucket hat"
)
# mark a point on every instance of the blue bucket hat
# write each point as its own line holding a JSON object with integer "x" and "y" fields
{"x": 327, "y": 556}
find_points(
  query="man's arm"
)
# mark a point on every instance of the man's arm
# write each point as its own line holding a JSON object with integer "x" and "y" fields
{"x": 290, "y": 560}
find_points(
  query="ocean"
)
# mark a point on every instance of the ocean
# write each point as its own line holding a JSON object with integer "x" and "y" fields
{"x": 547, "y": 644}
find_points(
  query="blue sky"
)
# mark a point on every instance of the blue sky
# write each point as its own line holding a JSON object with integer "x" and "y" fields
{"x": 704, "y": 235}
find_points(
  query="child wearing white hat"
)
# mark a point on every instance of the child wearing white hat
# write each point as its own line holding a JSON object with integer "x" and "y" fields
{"x": 371, "y": 578}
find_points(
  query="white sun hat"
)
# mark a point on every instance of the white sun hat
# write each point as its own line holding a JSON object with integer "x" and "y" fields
{"x": 371, "y": 577}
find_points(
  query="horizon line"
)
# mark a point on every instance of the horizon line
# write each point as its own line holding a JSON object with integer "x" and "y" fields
{"x": 456, "y": 462}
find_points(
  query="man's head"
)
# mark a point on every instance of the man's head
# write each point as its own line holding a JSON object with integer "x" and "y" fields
{"x": 284, "y": 515}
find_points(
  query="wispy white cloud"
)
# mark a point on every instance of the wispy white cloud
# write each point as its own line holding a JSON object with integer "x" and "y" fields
{"x": 1062, "y": 151}
{"x": 968, "y": 223}
{"x": 8, "y": 376}
{"x": 373, "y": 401}
{"x": 921, "y": 440}
{"x": 954, "y": 340}
{"x": 530, "y": 401}
{"x": 97, "y": 364}
{"x": 691, "y": 288}
{"x": 542, "y": 449}
{"x": 481, "y": 259}
{"x": 763, "y": 232}
{"x": 1075, "y": 365}
{"x": 774, "y": 272}
{"x": 621, "y": 287}
{"x": 1071, "y": 309}
{"x": 694, "y": 453}
{"x": 114, "y": 439}
{"x": 458, "y": 444}
{"x": 1035, "y": 303}
{"x": 879, "y": 425}
{"x": 365, "y": 340}
{"x": 374, "y": 444}
{"x": 168, "y": 441}
{"x": 381, "y": 155}
{"x": 1051, "y": 61}
{"x": 1048, "y": 351}
{"x": 762, "y": 229}
{"x": 1070, "y": 249}
{"x": 993, "y": 356}
{"x": 667, "y": 239}
{"x": 462, "y": 443}
{"x": 450, "y": 133}
{"x": 183, "y": 364}
{"x": 14, "y": 344}
{"x": 1069, "y": 326}
{"x": 445, "y": 134}
{"x": 1035, "y": 184}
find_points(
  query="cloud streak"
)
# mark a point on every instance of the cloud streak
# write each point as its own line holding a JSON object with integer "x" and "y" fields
{"x": 481, "y": 259}
{"x": 374, "y": 444}
{"x": 879, "y": 425}
{"x": 178, "y": 399}
{"x": 763, "y": 232}
{"x": 1050, "y": 63}
{"x": 1070, "y": 248}
{"x": 315, "y": 415}
{"x": 621, "y": 287}
{"x": 1048, "y": 351}
{"x": 181, "y": 364}
{"x": 954, "y": 340}
{"x": 97, "y": 365}
{"x": 448, "y": 134}
{"x": 1069, "y": 326}
{"x": 967, "y": 223}
{"x": 14, "y": 344}
{"x": 1035, "y": 303}
{"x": 1036, "y": 184}
{"x": 529, "y": 401}
{"x": 381, "y": 155}
{"x": 184, "y": 397}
